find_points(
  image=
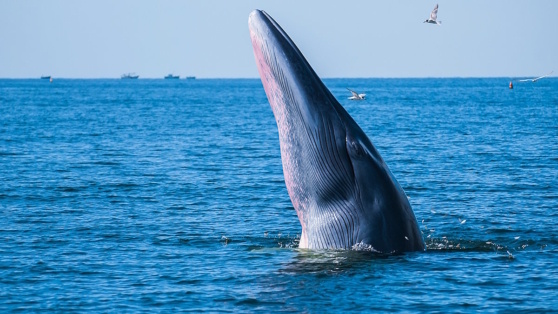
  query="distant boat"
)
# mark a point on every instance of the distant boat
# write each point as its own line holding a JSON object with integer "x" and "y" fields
{"x": 45, "y": 77}
{"x": 190, "y": 77}
{"x": 129, "y": 76}
{"x": 172, "y": 77}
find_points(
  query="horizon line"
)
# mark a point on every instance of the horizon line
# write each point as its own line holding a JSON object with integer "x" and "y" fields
{"x": 253, "y": 78}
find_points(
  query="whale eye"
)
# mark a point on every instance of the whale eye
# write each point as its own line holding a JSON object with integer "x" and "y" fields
{"x": 356, "y": 148}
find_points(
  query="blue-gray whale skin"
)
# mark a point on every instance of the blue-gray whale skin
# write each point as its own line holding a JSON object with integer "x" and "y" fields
{"x": 343, "y": 192}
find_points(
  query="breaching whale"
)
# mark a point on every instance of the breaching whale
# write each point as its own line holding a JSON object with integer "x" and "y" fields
{"x": 342, "y": 190}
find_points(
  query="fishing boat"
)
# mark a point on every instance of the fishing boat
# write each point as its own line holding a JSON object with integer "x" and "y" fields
{"x": 172, "y": 77}
{"x": 129, "y": 76}
{"x": 45, "y": 77}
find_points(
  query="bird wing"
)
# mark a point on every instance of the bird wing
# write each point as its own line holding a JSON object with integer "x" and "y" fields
{"x": 536, "y": 78}
{"x": 540, "y": 77}
{"x": 355, "y": 94}
{"x": 434, "y": 13}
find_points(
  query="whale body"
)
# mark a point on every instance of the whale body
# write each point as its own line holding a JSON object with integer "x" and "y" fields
{"x": 342, "y": 190}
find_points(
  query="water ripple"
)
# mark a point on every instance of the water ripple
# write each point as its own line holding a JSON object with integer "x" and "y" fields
{"x": 164, "y": 196}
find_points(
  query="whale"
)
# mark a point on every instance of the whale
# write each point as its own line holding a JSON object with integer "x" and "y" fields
{"x": 344, "y": 194}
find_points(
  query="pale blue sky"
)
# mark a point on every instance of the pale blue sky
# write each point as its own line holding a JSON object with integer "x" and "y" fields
{"x": 210, "y": 38}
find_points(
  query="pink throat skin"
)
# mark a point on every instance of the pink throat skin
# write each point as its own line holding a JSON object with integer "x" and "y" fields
{"x": 276, "y": 101}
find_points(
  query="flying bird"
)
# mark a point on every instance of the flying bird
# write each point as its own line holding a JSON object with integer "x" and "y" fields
{"x": 433, "y": 17}
{"x": 356, "y": 96}
{"x": 536, "y": 78}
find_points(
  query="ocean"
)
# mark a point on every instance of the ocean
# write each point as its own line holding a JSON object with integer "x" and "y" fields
{"x": 168, "y": 196}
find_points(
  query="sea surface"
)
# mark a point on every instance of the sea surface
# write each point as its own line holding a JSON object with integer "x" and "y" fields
{"x": 169, "y": 196}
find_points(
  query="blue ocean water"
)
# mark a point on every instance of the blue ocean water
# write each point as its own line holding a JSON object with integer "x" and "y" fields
{"x": 157, "y": 195}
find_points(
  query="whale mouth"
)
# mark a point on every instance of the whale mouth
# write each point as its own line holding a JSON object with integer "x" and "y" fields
{"x": 312, "y": 134}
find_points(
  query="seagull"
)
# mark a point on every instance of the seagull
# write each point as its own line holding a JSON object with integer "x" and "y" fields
{"x": 433, "y": 16}
{"x": 356, "y": 96}
{"x": 536, "y": 78}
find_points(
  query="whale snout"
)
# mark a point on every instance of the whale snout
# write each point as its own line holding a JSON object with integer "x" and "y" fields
{"x": 258, "y": 22}
{"x": 255, "y": 16}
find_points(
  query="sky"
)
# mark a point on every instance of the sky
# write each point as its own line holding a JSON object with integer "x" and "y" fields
{"x": 210, "y": 38}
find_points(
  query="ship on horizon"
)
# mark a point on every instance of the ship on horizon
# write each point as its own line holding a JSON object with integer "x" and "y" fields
{"x": 172, "y": 77}
{"x": 129, "y": 76}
